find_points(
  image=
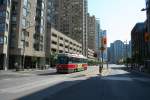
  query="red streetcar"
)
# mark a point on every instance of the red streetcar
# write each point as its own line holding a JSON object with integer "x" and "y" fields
{"x": 68, "y": 63}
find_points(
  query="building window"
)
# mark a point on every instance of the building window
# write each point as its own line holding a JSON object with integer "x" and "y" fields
{"x": 27, "y": 24}
{"x": 5, "y": 39}
{"x": 27, "y": 34}
{"x": 43, "y": 5}
{"x": 27, "y": 44}
{"x": 23, "y": 22}
{"x": 8, "y": 3}
{"x": 54, "y": 35}
{"x": 42, "y": 13}
{"x": 3, "y": 2}
{"x": 22, "y": 44}
{"x": 29, "y": 5}
{"x": 53, "y": 42}
{"x": 7, "y": 27}
{"x": 42, "y": 22}
{"x": 41, "y": 38}
{"x": 7, "y": 15}
{"x": 14, "y": 18}
{"x": 1, "y": 40}
{"x": 2, "y": 14}
{"x": 2, "y": 27}
{"x": 41, "y": 30}
{"x": 41, "y": 47}
{"x": 24, "y": 12}
{"x": 25, "y": 3}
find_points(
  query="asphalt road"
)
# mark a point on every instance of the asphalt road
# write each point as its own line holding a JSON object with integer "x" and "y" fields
{"x": 88, "y": 85}
{"x": 37, "y": 85}
{"x": 118, "y": 85}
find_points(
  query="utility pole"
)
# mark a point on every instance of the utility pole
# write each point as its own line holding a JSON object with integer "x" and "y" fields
{"x": 102, "y": 59}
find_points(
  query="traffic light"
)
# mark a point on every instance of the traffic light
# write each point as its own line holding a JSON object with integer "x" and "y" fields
{"x": 147, "y": 37}
{"x": 104, "y": 40}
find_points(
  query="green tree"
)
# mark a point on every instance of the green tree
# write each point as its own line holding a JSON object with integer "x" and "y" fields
{"x": 34, "y": 62}
{"x": 53, "y": 59}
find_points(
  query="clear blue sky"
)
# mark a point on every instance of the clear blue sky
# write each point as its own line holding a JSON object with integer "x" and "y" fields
{"x": 118, "y": 17}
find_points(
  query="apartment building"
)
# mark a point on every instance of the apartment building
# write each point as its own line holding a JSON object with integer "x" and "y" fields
{"x": 139, "y": 45}
{"x": 71, "y": 19}
{"x": 148, "y": 24}
{"x": 5, "y": 8}
{"x": 92, "y": 32}
{"x": 27, "y": 38}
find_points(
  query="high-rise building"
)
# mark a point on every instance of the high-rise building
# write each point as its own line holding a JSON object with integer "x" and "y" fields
{"x": 71, "y": 19}
{"x": 5, "y": 8}
{"x": 98, "y": 38}
{"x": 91, "y": 32}
{"x": 118, "y": 51}
{"x": 139, "y": 45}
{"x": 51, "y": 12}
{"x": 129, "y": 50}
{"x": 148, "y": 26}
{"x": 27, "y": 36}
{"x": 111, "y": 53}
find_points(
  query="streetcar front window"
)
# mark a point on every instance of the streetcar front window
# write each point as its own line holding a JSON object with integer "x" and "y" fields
{"x": 62, "y": 60}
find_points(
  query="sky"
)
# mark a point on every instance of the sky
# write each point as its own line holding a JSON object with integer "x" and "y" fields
{"x": 118, "y": 17}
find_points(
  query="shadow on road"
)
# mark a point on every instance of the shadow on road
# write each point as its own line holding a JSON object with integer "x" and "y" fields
{"x": 47, "y": 93}
{"x": 119, "y": 68}
{"x": 111, "y": 87}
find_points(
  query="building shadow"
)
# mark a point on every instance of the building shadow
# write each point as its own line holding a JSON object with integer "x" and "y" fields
{"x": 111, "y": 87}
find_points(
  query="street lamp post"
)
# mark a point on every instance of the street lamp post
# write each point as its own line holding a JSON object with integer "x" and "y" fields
{"x": 102, "y": 59}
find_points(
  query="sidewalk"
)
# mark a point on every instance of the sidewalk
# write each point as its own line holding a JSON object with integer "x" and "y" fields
{"x": 105, "y": 71}
{"x": 25, "y": 73}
